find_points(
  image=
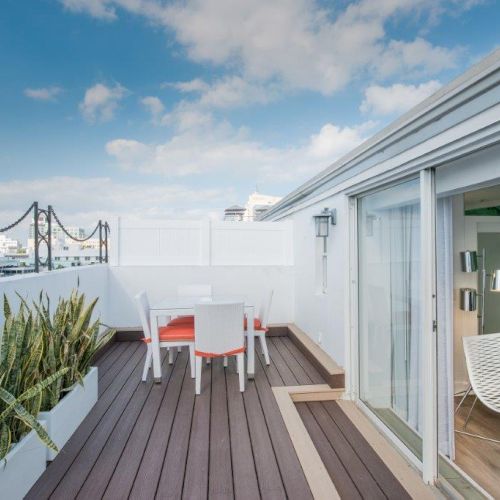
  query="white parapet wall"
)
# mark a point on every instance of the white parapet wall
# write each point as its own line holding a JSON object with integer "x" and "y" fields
{"x": 91, "y": 280}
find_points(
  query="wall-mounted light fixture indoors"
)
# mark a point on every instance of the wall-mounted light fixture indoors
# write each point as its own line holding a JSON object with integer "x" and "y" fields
{"x": 495, "y": 281}
{"x": 468, "y": 261}
{"x": 323, "y": 221}
{"x": 468, "y": 299}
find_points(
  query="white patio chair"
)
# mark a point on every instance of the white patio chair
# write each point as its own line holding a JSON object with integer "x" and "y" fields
{"x": 219, "y": 333}
{"x": 190, "y": 291}
{"x": 260, "y": 325}
{"x": 169, "y": 336}
{"x": 482, "y": 356}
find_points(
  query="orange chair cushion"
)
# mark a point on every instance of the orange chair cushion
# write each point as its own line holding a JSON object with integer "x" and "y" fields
{"x": 257, "y": 324}
{"x": 182, "y": 320}
{"x": 176, "y": 333}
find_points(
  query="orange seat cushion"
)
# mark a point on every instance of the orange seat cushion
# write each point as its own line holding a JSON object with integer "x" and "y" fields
{"x": 257, "y": 324}
{"x": 176, "y": 333}
{"x": 182, "y": 320}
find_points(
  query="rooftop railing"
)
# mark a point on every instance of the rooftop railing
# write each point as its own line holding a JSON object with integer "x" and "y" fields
{"x": 43, "y": 233}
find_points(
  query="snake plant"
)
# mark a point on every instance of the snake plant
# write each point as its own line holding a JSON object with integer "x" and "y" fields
{"x": 70, "y": 339}
{"x": 22, "y": 385}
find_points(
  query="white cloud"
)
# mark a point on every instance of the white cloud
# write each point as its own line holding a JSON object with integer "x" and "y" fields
{"x": 83, "y": 201}
{"x": 220, "y": 149}
{"x": 300, "y": 44}
{"x": 228, "y": 92}
{"x": 100, "y": 102}
{"x": 154, "y": 106}
{"x": 43, "y": 93}
{"x": 396, "y": 98}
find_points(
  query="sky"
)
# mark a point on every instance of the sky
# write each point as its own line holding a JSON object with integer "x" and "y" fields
{"x": 154, "y": 108}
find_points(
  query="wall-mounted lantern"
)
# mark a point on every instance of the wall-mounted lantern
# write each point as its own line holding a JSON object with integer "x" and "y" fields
{"x": 468, "y": 261}
{"x": 323, "y": 221}
{"x": 468, "y": 299}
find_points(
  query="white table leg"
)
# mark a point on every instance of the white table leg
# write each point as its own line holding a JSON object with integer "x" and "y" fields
{"x": 250, "y": 343}
{"x": 155, "y": 346}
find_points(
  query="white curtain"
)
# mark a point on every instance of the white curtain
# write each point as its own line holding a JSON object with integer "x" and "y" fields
{"x": 405, "y": 313}
{"x": 444, "y": 258}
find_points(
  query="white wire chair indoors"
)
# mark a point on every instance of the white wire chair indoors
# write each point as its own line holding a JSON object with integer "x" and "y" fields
{"x": 482, "y": 355}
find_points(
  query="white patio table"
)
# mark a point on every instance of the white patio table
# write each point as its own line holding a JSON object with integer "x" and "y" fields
{"x": 182, "y": 306}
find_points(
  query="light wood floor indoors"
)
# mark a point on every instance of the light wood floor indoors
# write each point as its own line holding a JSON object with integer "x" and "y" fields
{"x": 480, "y": 459}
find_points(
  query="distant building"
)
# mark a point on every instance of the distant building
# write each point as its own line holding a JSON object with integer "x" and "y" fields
{"x": 256, "y": 205}
{"x": 235, "y": 213}
{"x": 8, "y": 245}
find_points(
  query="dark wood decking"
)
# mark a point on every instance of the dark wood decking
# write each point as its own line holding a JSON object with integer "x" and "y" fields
{"x": 356, "y": 470}
{"x": 145, "y": 440}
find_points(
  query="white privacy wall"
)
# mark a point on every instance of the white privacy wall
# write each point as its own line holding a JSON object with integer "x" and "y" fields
{"x": 92, "y": 280}
{"x": 200, "y": 243}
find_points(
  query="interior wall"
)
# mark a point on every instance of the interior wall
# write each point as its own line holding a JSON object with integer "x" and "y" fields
{"x": 465, "y": 237}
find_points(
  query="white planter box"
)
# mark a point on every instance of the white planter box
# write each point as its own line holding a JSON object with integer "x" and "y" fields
{"x": 68, "y": 414}
{"x": 22, "y": 466}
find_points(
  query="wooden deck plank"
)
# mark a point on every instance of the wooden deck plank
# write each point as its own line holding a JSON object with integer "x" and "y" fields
{"x": 359, "y": 473}
{"x": 132, "y": 394}
{"x": 61, "y": 465}
{"x": 283, "y": 369}
{"x": 196, "y": 475}
{"x": 340, "y": 477}
{"x": 246, "y": 486}
{"x": 268, "y": 474}
{"x": 148, "y": 474}
{"x": 391, "y": 487}
{"x": 288, "y": 463}
{"x": 288, "y": 360}
{"x": 172, "y": 474}
{"x": 220, "y": 484}
{"x": 107, "y": 378}
{"x": 121, "y": 481}
{"x": 308, "y": 367}
{"x": 97, "y": 480}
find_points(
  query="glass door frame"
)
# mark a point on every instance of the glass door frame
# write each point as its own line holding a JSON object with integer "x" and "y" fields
{"x": 429, "y": 463}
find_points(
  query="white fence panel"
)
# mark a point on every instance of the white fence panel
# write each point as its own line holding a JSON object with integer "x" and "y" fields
{"x": 201, "y": 243}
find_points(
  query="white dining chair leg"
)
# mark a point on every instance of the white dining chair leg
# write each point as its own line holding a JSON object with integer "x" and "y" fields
{"x": 147, "y": 363}
{"x": 170, "y": 356}
{"x": 241, "y": 371}
{"x": 209, "y": 360}
{"x": 192, "y": 360}
{"x": 236, "y": 363}
{"x": 225, "y": 361}
{"x": 263, "y": 346}
{"x": 198, "y": 364}
{"x": 179, "y": 349}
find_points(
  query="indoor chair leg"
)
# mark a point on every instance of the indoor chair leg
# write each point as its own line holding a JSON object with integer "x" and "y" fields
{"x": 170, "y": 355}
{"x": 192, "y": 360}
{"x": 463, "y": 398}
{"x": 198, "y": 364}
{"x": 241, "y": 371}
{"x": 470, "y": 412}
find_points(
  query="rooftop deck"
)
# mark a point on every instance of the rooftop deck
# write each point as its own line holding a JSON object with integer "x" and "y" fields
{"x": 146, "y": 440}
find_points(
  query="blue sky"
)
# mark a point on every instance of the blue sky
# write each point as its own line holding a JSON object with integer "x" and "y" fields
{"x": 168, "y": 109}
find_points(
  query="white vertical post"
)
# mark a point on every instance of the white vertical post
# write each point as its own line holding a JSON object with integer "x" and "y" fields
{"x": 429, "y": 325}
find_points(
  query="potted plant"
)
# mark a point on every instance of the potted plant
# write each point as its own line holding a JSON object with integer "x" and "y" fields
{"x": 70, "y": 338}
{"x": 23, "y": 439}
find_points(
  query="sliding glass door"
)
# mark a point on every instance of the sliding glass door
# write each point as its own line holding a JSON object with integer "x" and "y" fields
{"x": 389, "y": 309}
